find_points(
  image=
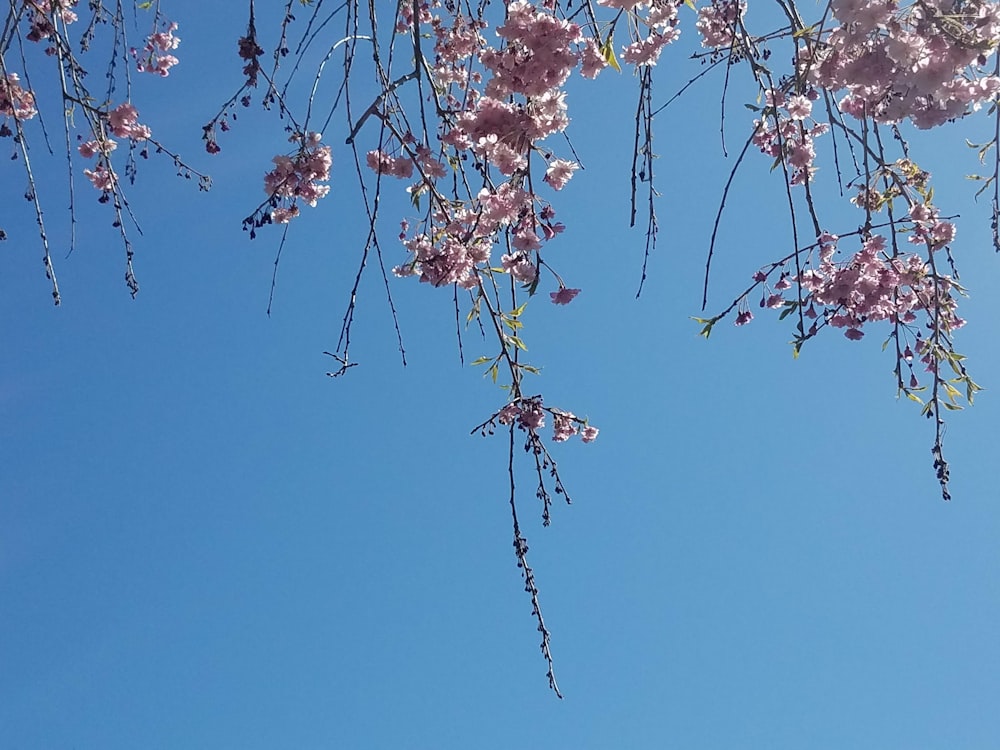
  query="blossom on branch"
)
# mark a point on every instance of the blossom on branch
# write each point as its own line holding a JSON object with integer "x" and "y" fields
{"x": 16, "y": 101}
{"x": 298, "y": 177}
{"x": 154, "y": 57}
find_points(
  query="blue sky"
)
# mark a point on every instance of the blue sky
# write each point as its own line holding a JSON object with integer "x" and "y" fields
{"x": 207, "y": 543}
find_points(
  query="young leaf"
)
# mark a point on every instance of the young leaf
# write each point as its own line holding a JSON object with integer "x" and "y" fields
{"x": 608, "y": 53}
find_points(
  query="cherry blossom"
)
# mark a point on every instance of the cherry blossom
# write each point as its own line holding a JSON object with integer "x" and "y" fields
{"x": 16, "y": 101}
{"x": 298, "y": 177}
{"x": 154, "y": 57}
{"x": 564, "y": 296}
{"x": 559, "y": 172}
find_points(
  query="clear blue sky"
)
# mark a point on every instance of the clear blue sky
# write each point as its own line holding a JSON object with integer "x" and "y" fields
{"x": 207, "y": 543}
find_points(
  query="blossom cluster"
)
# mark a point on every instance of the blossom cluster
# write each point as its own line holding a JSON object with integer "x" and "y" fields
{"x": 298, "y": 177}
{"x": 155, "y": 57}
{"x": 718, "y": 21}
{"x": 912, "y": 62}
{"x": 872, "y": 285}
{"x": 500, "y": 122}
{"x": 538, "y": 55}
{"x": 465, "y": 236}
{"x": 16, "y": 101}
{"x": 529, "y": 414}
{"x": 44, "y": 14}
{"x": 928, "y": 228}
{"x": 785, "y": 135}
{"x": 123, "y": 121}
{"x": 498, "y": 105}
{"x": 661, "y": 20}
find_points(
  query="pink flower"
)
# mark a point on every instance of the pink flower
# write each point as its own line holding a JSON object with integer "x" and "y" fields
{"x": 520, "y": 267}
{"x": 647, "y": 51}
{"x": 744, "y": 317}
{"x": 101, "y": 178}
{"x": 92, "y": 148}
{"x": 531, "y": 417}
{"x": 592, "y": 62}
{"x": 564, "y": 296}
{"x": 799, "y": 107}
{"x": 381, "y": 163}
{"x": 589, "y": 434}
{"x": 717, "y": 22}
{"x": 124, "y": 122}
{"x": 509, "y": 413}
{"x": 284, "y": 215}
{"x": 298, "y": 177}
{"x": 563, "y": 426}
{"x": 538, "y": 55}
{"x": 559, "y": 172}
{"x": 155, "y": 60}
{"x": 14, "y": 100}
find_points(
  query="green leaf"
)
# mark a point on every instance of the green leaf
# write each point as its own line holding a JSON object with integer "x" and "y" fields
{"x": 790, "y": 307}
{"x": 914, "y": 397}
{"x": 608, "y": 53}
{"x": 480, "y": 361}
{"x": 145, "y": 6}
{"x": 970, "y": 389}
{"x": 533, "y": 286}
{"x": 517, "y": 342}
{"x": 520, "y": 309}
{"x": 708, "y": 323}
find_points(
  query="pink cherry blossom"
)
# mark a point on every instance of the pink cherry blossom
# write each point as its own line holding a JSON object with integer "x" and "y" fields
{"x": 563, "y": 426}
{"x": 382, "y": 163}
{"x": 124, "y": 122}
{"x": 298, "y": 177}
{"x": 89, "y": 149}
{"x": 799, "y": 107}
{"x": 101, "y": 178}
{"x": 154, "y": 56}
{"x": 559, "y": 172}
{"x": 564, "y": 296}
{"x": 16, "y": 101}
{"x": 592, "y": 62}
{"x": 717, "y": 22}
